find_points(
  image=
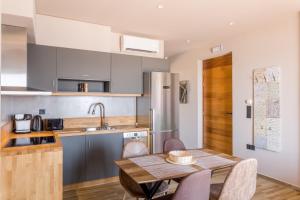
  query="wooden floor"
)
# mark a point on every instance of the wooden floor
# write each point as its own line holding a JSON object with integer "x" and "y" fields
{"x": 266, "y": 190}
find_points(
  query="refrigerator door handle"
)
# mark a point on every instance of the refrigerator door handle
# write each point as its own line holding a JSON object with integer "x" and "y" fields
{"x": 152, "y": 119}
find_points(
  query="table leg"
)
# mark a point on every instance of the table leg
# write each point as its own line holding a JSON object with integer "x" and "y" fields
{"x": 150, "y": 192}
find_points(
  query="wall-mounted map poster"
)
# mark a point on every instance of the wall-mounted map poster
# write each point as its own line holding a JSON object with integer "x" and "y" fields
{"x": 267, "y": 123}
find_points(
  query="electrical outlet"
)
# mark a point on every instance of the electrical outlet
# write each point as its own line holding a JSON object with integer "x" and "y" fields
{"x": 251, "y": 147}
{"x": 42, "y": 111}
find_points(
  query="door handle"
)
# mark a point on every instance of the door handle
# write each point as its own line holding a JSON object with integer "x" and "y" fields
{"x": 228, "y": 113}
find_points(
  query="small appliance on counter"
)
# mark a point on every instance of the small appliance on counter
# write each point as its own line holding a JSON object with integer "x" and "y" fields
{"x": 22, "y": 123}
{"x": 37, "y": 123}
{"x": 54, "y": 124}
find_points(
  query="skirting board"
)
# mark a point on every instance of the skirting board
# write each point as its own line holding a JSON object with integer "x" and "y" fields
{"x": 281, "y": 182}
{"x": 91, "y": 183}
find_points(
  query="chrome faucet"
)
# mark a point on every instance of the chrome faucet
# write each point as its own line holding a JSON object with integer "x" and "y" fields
{"x": 92, "y": 110}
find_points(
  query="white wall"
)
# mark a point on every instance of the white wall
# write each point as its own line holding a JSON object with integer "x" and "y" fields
{"x": 275, "y": 44}
{"x": 59, "y": 32}
{"x": 23, "y": 8}
{"x": 189, "y": 68}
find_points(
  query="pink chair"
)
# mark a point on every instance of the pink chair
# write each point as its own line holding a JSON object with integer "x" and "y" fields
{"x": 194, "y": 187}
{"x": 240, "y": 184}
{"x": 135, "y": 149}
{"x": 173, "y": 144}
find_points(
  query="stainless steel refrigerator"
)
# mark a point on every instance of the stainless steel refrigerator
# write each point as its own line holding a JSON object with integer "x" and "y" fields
{"x": 158, "y": 108}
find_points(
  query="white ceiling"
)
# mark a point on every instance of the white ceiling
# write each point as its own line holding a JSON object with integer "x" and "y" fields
{"x": 200, "y": 21}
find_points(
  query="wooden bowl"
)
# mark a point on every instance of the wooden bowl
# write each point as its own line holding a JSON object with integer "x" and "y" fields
{"x": 180, "y": 157}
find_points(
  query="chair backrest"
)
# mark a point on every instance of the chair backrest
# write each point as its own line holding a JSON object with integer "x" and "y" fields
{"x": 134, "y": 149}
{"x": 194, "y": 187}
{"x": 241, "y": 181}
{"x": 173, "y": 144}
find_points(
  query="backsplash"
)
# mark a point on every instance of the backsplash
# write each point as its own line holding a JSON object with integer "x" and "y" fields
{"x": 66, "y": 106}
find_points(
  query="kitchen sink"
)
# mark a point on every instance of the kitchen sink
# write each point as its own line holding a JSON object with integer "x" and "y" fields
{"x": 92, "y": 129}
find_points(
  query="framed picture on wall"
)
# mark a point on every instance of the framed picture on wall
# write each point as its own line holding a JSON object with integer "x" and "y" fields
{"x": 183, "y": 92}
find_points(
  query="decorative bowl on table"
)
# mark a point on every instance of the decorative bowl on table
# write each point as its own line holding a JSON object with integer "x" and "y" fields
{"x": 180, "y": 158}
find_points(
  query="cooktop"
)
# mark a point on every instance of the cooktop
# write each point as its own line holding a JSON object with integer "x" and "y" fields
{"x": 17, "y": 142}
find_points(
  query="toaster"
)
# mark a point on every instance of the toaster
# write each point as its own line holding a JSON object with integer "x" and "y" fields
{"x": 22, "y": 123}
{"x": 54, "y": 124}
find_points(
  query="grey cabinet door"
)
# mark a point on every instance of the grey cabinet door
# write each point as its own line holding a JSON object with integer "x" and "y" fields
{"x": 101, "y": 152}
{"x": 155, "y": 65}
{"x": 74, "y": 159}
{"x": 41, "y": 67}
{"x": 126, "y": 74}
{"x": 83, "y": 65}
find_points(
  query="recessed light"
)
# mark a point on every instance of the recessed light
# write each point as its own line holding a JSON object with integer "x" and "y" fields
{"x": 188, "y": 41}
{"x": 231, "y": 23}
{"x": 160, "y": 6}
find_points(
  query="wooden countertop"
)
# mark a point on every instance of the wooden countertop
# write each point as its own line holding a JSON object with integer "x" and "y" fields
{"x": 57, "y": 146}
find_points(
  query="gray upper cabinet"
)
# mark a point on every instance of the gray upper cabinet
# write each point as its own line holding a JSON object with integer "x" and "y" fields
{"x": 126, "y": 74}
{"x": 101, "y": 152}
{"x": 41, "y": 67}
{"x": 83, "y": 65}
{"x": 74, "y": 159}
{"x": 155, "y": 65}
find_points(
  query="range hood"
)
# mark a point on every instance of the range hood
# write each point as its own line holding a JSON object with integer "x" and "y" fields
{"x": 14, "y": 62}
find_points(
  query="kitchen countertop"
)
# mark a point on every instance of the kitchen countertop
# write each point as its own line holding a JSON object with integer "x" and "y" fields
{"x": 57, "y": 146}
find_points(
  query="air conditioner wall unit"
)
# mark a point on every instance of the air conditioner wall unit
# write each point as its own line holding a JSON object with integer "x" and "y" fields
{"x": 139, "y": 44}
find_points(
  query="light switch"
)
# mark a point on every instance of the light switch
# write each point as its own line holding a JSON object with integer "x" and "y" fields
{"x": 249, "y": 114}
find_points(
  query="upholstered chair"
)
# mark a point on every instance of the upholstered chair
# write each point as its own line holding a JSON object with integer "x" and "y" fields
{"x": 135, "y": 149}
{"x": 173, "y": 144}
{"x": 194, "y": 187}
{"x": 240, "y": 184}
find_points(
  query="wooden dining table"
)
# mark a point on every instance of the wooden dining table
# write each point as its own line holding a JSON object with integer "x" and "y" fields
{"x": 155, "y": 168}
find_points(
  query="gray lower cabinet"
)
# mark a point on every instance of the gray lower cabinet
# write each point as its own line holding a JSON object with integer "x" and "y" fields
{"x": 83, "y": 65}
{"x": 74, "y": 159}
{"x": 41, "y": 67}
{"x": 101, "y": 152}
{"x": 91, "y": 157}
{"x": 155, "y": 65}
{"x": 126, "y": 74}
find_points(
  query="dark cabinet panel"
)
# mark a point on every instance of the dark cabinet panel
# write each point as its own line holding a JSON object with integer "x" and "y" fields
{"x": 74, "y": 159}
{"x": 126, "y": 74}
{"x": 41, "y": 67}
{"x": 83, "y": 65}
{"x": 155, "y": 65}
{"x": 101, "y": 152}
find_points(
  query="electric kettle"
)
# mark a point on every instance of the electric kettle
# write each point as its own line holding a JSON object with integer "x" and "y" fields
{"x": 37, "y": 123}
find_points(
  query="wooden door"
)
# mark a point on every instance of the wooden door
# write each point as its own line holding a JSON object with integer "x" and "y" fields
{"x": 217, "y": 104}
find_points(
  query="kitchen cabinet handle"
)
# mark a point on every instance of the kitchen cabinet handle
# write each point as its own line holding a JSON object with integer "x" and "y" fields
{"x": 53, "y": 84}
{"x": 89, "y": 144}
{"x": 85, "y": 75}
